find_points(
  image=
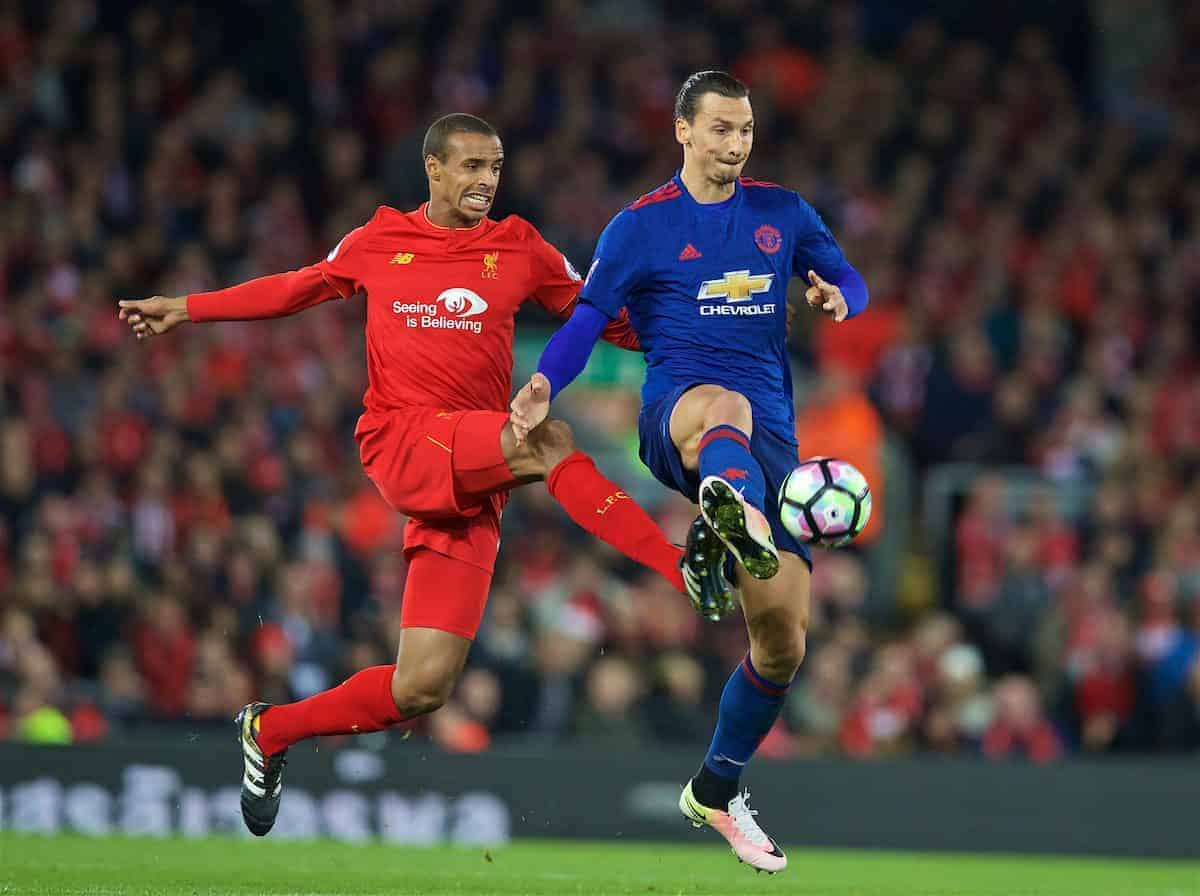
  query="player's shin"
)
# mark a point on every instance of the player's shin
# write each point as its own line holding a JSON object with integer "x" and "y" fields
{"x": 606, "y": 511}
{"x": 359, "y": 705}
{"x": 725, "y": 452}
{"x": 750, "y": 704}
{"x": 731, "y": 497}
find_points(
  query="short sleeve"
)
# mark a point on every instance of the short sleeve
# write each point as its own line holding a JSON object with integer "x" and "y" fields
{"x": 557, "y": 280}
{"x": 816, "y": 249}
{"x": 616, "y": 267}
{"x": 342, "y": 268}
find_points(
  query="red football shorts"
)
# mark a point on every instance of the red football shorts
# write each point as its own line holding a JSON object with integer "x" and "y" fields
{"x": 443, "y": 593}
{"x": 445, "y": 470}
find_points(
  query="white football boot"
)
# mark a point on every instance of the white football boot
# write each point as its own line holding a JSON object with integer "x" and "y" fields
{"x": 736, "y": 824}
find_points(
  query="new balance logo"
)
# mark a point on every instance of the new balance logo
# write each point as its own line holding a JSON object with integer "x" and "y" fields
{"x": 689, "y": 252}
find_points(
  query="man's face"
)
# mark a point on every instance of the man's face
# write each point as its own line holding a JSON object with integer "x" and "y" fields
{"x": 469, "y": 177}
{"x": 719, "y": 137}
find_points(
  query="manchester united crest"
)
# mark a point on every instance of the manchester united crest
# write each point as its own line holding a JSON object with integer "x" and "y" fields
{"x": 768, "y": 238}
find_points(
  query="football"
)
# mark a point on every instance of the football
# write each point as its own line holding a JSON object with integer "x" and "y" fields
{"x": 825, "y": 501}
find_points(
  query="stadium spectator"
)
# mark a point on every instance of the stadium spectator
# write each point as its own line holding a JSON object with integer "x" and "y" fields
{"x": 1019, "y": 729}
{"x": 610, "y": 714}
{"x": 961, "y": 708}
{"x": 675, "y": 706}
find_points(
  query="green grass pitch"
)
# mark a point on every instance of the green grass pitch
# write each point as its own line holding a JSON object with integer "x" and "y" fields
{"x": 72, "y": 866}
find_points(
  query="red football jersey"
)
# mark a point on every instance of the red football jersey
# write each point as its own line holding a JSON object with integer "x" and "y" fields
{"x": 440, "y": 304}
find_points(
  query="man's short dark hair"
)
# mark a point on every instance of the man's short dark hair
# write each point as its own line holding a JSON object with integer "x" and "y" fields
{"x": 439, "y": 132}
{"x": 721, "y": 83}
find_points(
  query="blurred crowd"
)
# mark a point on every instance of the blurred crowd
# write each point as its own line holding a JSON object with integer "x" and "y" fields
{"x": 185, "y": 525}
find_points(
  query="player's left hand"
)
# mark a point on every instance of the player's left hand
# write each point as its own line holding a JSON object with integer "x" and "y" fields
{"x": 827, "y": 297}
{"x": 153, "y": 316}
{"x": 531, "y": 406}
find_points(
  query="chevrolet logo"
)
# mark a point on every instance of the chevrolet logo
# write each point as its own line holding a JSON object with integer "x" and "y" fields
{"x": 401, "y": 258}
{"x": 737, "y": 286}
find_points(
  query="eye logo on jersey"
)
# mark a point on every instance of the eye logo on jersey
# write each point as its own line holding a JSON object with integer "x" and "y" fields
{"x": 451, "y": 310}
{"x": 768, "y": 238}
{"x": 735, "y": 287}
{"x": 462, "y": 302}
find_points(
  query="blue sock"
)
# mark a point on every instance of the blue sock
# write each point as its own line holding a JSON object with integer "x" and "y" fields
{"x": 749, "y": 706}
{"x": 725, "y": 452}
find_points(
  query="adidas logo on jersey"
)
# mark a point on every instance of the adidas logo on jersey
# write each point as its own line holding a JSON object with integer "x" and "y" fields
{"x": 689, "y": 252}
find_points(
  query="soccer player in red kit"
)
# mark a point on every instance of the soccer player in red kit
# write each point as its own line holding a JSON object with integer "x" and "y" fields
{"x": 443, "y": 283}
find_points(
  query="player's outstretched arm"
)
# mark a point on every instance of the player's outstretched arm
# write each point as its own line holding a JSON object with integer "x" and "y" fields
{"x": 276, "y": 295}
{"x": 563, "y": 359}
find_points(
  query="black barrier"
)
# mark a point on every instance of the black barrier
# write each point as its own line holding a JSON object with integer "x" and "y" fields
{"x": 408, "y": 793}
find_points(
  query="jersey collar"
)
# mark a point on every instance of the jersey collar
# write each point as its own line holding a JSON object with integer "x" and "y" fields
{"x": 708, "y": 206}
{"x": 421, "y": 217}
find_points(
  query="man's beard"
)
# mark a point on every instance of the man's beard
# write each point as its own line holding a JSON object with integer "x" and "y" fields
{"x": 726, "y": 174}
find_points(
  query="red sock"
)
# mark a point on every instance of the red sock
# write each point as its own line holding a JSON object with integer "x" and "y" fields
{"x": 593, "y": 501}
{"x": 360, "y": 704}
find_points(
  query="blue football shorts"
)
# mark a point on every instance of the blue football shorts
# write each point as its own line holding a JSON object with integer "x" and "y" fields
{"x": 777, "y": 453}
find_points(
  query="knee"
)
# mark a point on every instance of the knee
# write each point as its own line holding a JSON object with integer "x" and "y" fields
{"x": 787, "y": 653}
{"x": 551, "y": 442}
{"x": 417, "y": 696}
{"x": 729, "y": 408}
{"x": 780, "y": 640}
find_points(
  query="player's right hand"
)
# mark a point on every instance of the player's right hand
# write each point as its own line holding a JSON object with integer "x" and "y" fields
{"x": 153, "y": 316}
{"x": 531, "y": 406}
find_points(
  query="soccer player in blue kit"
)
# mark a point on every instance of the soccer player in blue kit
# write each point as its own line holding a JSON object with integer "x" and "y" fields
{"x": 703, "y": 264}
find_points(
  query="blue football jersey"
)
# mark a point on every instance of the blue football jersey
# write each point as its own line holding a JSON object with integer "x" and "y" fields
{"x": 706, "y": 287}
